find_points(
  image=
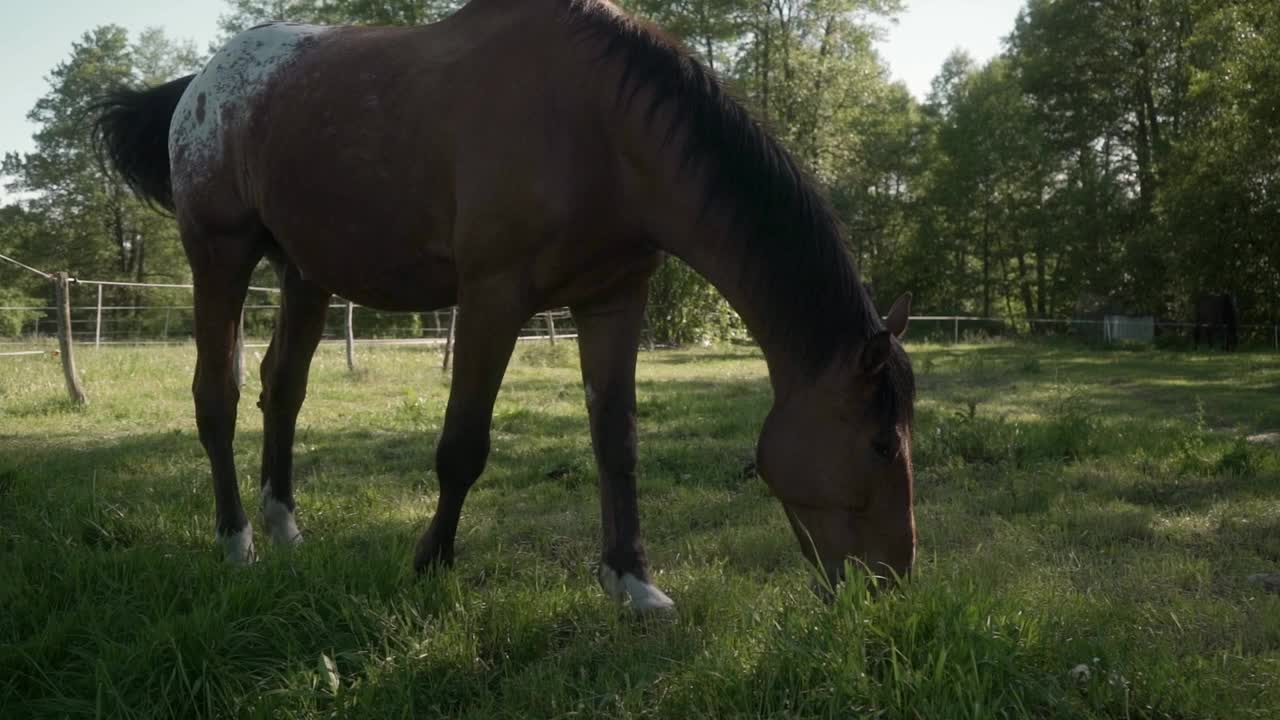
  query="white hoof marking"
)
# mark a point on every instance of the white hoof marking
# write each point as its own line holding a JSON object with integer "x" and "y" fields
{"x": 238, "y": 547}
{"x": 632, "y": 592}
{"x": 281, "y": 526}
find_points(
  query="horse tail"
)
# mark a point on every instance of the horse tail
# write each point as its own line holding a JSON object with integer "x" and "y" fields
{"x": 131, "y": 135}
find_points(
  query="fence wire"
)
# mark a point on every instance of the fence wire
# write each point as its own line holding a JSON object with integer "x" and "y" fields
{"x": 169, "y": 322}
{"x": 173, "y": 324}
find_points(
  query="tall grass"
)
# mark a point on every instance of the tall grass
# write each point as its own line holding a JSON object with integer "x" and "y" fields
{"x": 1088, "y": 522}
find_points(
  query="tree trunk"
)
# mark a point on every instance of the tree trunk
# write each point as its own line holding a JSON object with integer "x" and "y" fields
{"x": 765, "y": 61}
{"x": 708, "y": 48}
{"x": 1143, "y": 106}
{"x": 784, "y": 28}
{"x": 986, "y": 262}
{"x": 819, "y": 81}
{"x": 1025, "y": 288}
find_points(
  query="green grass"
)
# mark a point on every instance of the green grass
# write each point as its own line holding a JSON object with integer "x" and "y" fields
{"x": 1075, "y": 507}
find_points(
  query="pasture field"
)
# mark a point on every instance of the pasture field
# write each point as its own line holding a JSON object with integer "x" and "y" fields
{"x": 1076, "y": 508}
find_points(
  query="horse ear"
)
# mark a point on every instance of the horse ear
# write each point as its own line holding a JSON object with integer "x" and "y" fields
{"x": 898, "y": 314}
{"x": 875, "y": 353}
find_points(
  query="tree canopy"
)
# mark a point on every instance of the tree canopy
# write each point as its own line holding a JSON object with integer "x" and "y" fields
{"x": 1115, "y": 156}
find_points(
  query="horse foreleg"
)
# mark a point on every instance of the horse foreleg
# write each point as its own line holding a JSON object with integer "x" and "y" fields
{"x": 483, "y": 340}
{"x": 221, "y": 282}
{"x": 299, "y": 327}
{"x": 608, "y": 339}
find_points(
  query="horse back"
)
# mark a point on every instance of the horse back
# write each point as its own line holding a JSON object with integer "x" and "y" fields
{"x": 422, "y": 152}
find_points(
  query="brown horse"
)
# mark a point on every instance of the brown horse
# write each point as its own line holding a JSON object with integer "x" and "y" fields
{"x": 516, "y": 156}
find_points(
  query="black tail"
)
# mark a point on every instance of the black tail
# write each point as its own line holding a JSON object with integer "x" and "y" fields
{"x": 131, "y": 134}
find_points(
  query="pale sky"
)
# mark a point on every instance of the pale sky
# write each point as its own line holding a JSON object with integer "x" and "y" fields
{"x": 36, "y": 35}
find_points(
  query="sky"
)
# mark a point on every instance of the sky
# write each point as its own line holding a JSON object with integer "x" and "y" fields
{"x": 35, "y": 36}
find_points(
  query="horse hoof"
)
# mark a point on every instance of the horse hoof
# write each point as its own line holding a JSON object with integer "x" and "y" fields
{"x": 432, "y": 556}
{"x": 237, "y": 547}
{"x": 281, "y": 526}
{"x": 633, "y": 593}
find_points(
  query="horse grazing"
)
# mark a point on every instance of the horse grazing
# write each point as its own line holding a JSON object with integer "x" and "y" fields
{"x": 516, "y": 156}
{"x": 1216, "y": 321}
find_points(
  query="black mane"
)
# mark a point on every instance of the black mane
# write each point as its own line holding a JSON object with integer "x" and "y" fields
{"x": 792, "y": 239}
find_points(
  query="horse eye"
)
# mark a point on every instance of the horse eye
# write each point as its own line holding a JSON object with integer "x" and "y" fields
{"x": 885, "y": 449}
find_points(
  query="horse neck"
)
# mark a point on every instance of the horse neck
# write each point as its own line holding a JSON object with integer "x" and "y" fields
{"x": 656, "y": 101}
{"x": 711, "y": 245}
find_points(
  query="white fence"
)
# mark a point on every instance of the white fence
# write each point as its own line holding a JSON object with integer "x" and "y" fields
{"x": 171, "y": 324}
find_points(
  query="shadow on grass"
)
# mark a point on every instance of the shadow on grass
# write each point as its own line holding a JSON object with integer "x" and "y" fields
{"x": 1235, "y": 389}
{"x": 695, "y": 356}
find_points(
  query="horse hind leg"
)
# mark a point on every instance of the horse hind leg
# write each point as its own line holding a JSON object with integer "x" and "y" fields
{"x": 608, "y": 339}
{"x": 284, "y": 372}
{"x": 221, "y": 280}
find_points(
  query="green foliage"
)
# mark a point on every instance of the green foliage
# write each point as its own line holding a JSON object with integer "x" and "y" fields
{"x": 964, "y": 437}
{"x": 1071, "y": 432}
{"x": 12, "y": 322}
{"x": 685, "y": 309}
{"x": 72, "y": 216}
{"x": 1116, "y": 157}
{"x": 247, "y": 13}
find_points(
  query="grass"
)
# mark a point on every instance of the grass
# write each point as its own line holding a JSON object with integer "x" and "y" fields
{"x": 1076, "y": 507}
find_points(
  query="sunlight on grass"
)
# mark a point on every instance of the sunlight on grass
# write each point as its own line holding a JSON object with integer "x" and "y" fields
{"x": 1075, "y": 508}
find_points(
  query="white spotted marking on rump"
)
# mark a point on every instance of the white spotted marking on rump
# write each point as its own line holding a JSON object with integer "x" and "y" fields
{"x": 217, "y": 100}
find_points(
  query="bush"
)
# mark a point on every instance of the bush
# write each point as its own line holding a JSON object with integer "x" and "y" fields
{"x": 685, "y": 309}
{"x": 12, "y": 322}
{"x": 966, "y": 437}
{"x": 1238, "y": 460}
{"x": 1071, "y": 432}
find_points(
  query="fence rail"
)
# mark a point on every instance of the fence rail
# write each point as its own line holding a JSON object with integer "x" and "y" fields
{"x": 162, "y": 324}
{"x": 170, "y": 323}
{"x": 145, "y": 325}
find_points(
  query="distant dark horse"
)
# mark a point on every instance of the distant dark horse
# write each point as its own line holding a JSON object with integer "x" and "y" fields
{"x": 517, "y": 156}
{"x": 1216, "y": 321}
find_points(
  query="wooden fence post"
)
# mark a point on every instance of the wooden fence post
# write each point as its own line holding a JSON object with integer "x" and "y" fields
{"x": 448, "y": 340}
{"x": 237, "y": 359}
{"x": 351, "y": 337}
{"x": 551, "y": 328}
{"x": 62, "y": 296}
{"x": 955, "y": 332}
{"x": 97, "y": 327}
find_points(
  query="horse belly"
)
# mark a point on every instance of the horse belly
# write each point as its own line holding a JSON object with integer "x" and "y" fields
{"x": 377, "y": 269}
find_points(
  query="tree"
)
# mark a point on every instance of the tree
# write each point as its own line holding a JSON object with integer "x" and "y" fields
{"x": 77, "y": 203}
{"x": 73, "y": 215}
{"x": 1221, "y": 204}
{"x": 247, "y": 13}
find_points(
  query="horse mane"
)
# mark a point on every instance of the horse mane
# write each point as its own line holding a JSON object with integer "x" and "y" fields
{"x": 791, "y": 238}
